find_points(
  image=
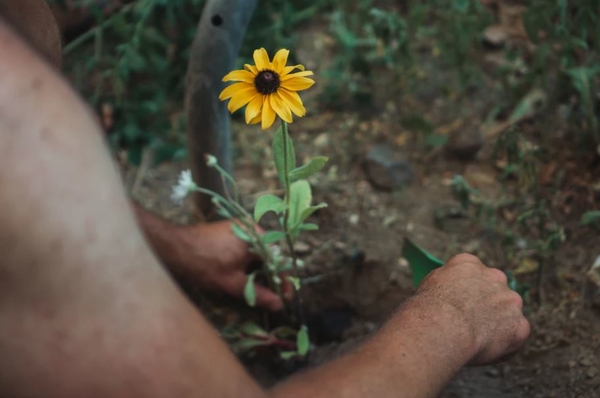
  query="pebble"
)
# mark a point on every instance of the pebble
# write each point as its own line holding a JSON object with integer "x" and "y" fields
{"x": 492, "y": 372}
{"x": 495, "y": 36}
{"x": 592, "y": 372}
{"x": 464, "y": 144}
{"x": 302, "y": 248}
{"x": 322, "y": 140}
{"x": 353, "y": 219}
{"x": 340, "y": 245}
{"x": 386, "y": 170}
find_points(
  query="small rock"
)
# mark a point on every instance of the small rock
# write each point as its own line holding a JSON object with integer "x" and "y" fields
{"x": 302, "y": 248}
{"x": 322, "y": 140}
{"x": 340, "y": 245}
{"x": 472, "y": 247}
{"x": 353, "y": 219}
{"x": 451, "y": 219}
{"x": 592, "y": 372}
{"x": 572, "y": 364}
{"x": 403, "y": 264}
{"x": 492, "y": 372}
{"x": 495, "y": 36}
{"x": 592, "y": 286}
{"x": 465, "y": 144}
{"x": 370, "y": 326}
{"x": 586, "y": 362}
{"x": 386, "y": 170}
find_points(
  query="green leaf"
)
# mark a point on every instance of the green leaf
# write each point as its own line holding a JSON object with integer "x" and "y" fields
{"x": 303, "y": 341}
{"x": 267, "y": 203}
{"x": 295, "y": 281}
{"x": 309, "y": 212}
{"x": 248, "y": 344}
{"x": 528, "y": 106}
{"x": 272, "y": 237}
{"x": 308, "y": 227}
{"x": 287, "y": 355}
{"x": 252, "y": 329}
{"x": 590, "y": 217}
{"x": 300, "y": 198}
{"x": 250, "y": 291}
{"x": 309, "y": 169}
{"x": 421, "y": 262}
{"x": 436, "y": 140}
{"x": 279, "y": 155}
{"x": 240, "y": 233}
{"x": 461, "y": 6}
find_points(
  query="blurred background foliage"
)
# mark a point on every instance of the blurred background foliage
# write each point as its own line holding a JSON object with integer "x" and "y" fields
{"x": 130, "y": 57}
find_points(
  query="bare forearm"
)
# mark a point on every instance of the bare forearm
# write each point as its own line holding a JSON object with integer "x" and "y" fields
{"x": 414, "y": 355}
{"x": 165, "y": 238}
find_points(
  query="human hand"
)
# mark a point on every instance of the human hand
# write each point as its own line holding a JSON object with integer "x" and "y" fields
{"x": 484, "y": 304}
{"x": 217, "y": 259}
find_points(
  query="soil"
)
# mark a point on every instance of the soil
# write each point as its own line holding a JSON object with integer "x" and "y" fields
{"x": 355, "y": 274}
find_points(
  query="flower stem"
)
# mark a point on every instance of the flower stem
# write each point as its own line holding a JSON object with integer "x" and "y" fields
{"x": 286, "y": 217}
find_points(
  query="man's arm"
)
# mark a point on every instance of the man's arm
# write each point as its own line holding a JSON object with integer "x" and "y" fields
{"x": 86, "y": 309}
{"x": 209, "y": 253}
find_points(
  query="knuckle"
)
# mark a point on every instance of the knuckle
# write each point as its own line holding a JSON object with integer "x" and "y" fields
{"x": 498, "y": 275}
{"x": 464, "y": 258}
{"x": 516, "y": 299}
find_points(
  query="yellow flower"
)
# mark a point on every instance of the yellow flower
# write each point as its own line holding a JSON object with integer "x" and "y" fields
{"x": 269, "y": 89}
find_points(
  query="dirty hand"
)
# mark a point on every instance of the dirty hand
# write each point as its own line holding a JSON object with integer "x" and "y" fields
{"x": 481, "y": 300}
{"x": 217, "y": 259}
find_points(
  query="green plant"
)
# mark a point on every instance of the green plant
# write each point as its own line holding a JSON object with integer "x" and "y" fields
{"x": 269, "y": 89}
{"x": 367, "y": 37}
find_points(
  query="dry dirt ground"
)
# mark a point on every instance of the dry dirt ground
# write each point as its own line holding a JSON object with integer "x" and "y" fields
{"x": 354, "y": 268}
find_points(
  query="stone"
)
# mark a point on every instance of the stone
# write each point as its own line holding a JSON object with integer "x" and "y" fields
{"x": 492, "y": 372}
{"x": 302, "y": 248}
{"x": 465, "y": 144}
{"x": 495, "y": 36}
{"x": 321, "y": 141}
{"x": 591, "y": 372}
{"x": 592, "y": 286}
{"x": 386, "y": 170}
{"x": 451, "y": 218}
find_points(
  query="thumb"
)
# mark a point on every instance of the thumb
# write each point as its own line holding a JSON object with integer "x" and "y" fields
{"x": 267, "y": 298}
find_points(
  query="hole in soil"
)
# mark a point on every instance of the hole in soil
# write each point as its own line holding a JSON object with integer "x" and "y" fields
{"x": 217, "y": 20}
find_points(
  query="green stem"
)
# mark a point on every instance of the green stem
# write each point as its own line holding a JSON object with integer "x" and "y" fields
{"x": 236, "y": 211}
{"x": 286, "y": 217}
{"x": 92, "y": 32}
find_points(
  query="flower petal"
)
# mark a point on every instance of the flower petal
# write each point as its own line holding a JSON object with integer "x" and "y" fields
{"x": 293, "y": 101}
{"x": 239, "y": 75}
{"x": 230, "y": 91}
{"x": 261, "y": 59}
{"x": 268, "y": 115}
{"x": 251, "y": 68}
{"x": 297, "y": 74}
{"x": 280, "y": 107}
{"x": 297, "y": 83}
{"x": 280, "y": 60}
{"x": 241, "y": 98}
{"x": 257, "y": 119}
{"x": 254, "y": 107}
{"x": 289, "y": 69}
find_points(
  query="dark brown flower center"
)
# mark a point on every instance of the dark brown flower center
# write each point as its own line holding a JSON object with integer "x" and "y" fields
{"x": 267, "y": 81}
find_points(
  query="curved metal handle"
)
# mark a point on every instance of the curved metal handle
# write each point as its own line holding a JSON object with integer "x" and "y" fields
{"x": 215, "y": 48}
